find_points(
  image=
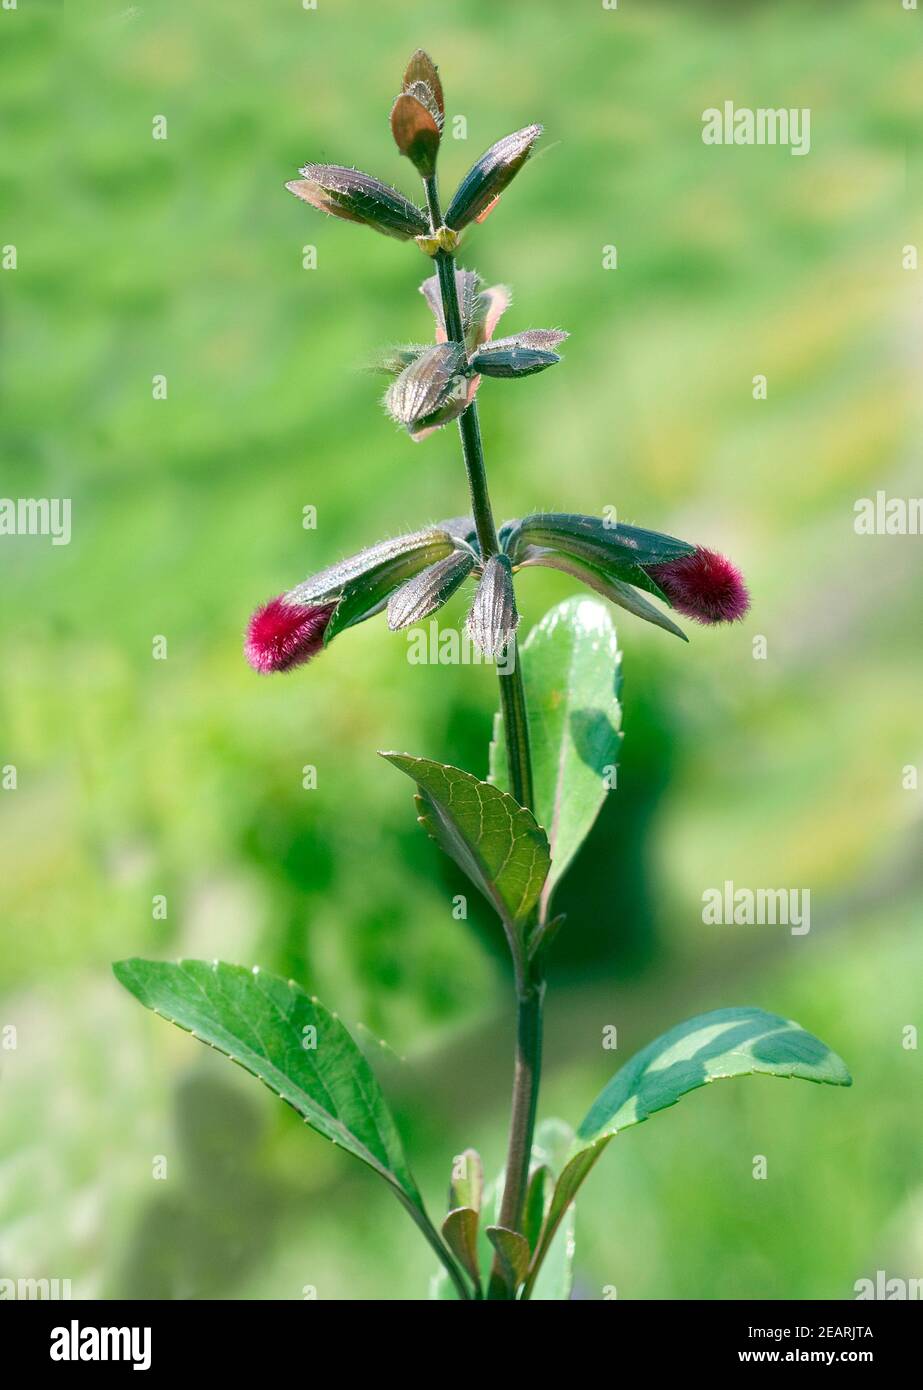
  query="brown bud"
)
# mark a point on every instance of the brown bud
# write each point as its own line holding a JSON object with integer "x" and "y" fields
{"x": 422, "y": 69}
{"x": 416, "y": 132}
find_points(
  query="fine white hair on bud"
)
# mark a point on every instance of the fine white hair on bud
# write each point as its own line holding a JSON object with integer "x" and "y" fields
{"x": 493, "y": 618}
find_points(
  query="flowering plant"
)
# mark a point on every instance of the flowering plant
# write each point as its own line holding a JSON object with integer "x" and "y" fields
{"x": 556, "y": 743}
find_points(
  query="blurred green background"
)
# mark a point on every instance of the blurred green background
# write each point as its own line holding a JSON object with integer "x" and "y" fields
{"x": 183, "y": 777}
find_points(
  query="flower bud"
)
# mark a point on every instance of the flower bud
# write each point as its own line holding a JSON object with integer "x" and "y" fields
{"x": 628, "y": 550}
{"x": 521, "y": 355}
{"x": 416, "y": 131}
{"x": 703, "y": 586}
{"x": 283, "y": 635}
{"x": 358, "y": 197}
{"x": 429, "y": 590}
{"x": 418, "y": 114}
{"x": 486, "y": 180}
{"x": 493, "y": 619}
{"x": 422, "y": 70}
{"x": 431, "y": 391}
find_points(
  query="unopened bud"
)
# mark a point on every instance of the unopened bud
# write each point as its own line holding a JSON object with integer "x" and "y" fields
{"x": 703, "y": 586}
{"x": 283, "y": 635}
{"x": 493, "y": 618}
{"x": 431, "y": 391}
{"x": 486, "y": 180}
{"x": 358, "y": 197}
{"x": 429, "y": 590}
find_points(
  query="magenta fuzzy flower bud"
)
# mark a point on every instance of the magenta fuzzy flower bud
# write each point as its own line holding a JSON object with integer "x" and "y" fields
{"x": 282, "y": 635}
{"x": 704, "y": 586}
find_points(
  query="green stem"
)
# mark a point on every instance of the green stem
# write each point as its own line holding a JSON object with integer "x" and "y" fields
{"x": 526, "y": 1081}
{"x": 530, "y": 986}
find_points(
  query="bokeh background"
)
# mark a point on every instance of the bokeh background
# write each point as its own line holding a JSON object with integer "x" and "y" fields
{"x": 183, "y": 777}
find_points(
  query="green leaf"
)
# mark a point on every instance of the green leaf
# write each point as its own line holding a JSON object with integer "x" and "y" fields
{"x": 554, "y": 1281}
{"x": 467, "y": 1185}
{"x": 278, "y": 1033}
{"x": 538, "y": 1200}
{"x": 460, "y": 1232}
{"x": 490, "y": 836}
{"x": 571, "y": 666}
{"x": 727, "y": 1042}
{"x": 367, "y": 594}
{"x": 596, "y": 576}
{"x": 632, "y": 547}
{"x": 460, "y": 1227}
{"x": 513, "y": 1250}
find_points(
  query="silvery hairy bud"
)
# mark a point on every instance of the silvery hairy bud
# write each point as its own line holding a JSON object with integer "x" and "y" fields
{"x": 493, "y": 619}
{"x": 486, "y": 180}
{"x": 429, "y": 590}
{"x": 358, "y": 197}
{"x": 520, "y": 355}
{"x": 431, "y": 391}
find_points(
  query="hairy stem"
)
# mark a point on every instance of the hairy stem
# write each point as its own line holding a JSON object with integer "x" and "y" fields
{"x": 529, "y": 984}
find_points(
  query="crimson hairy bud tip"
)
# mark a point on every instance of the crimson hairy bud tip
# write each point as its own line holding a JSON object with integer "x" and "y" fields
{"x": 282, "y": 635}
{"x": 703, "y": 586}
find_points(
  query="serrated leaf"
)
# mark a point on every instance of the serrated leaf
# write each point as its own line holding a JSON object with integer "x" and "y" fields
{"x": 493, "y": 839}
{"x": 513, "y": 1250}
{"x": 571, "y": 667}
{"x": 711, "y": 1047}
{"x": 596, "y": 577}
{"x": 278, "y": 1033}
